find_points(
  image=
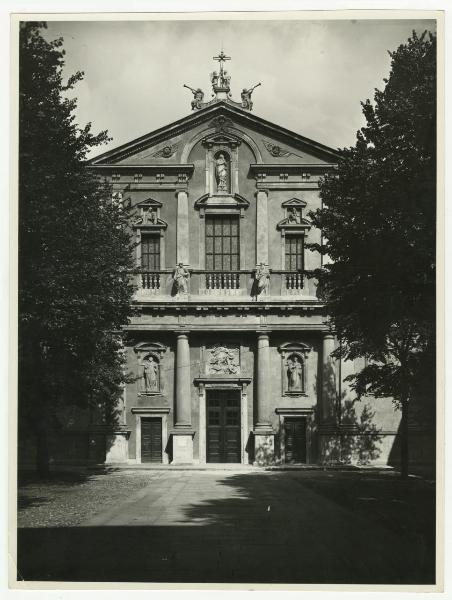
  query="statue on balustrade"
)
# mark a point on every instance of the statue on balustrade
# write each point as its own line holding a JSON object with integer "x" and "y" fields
{"x": 150, "y": 375}
{"x": 221, "y": 173}
{"x": 262, "y": 280}
{"x": 294, "y": 374}
{"x": 180, "y": 277}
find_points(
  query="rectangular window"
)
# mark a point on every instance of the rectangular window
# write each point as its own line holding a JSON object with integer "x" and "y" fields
{"x": 294, "y": 252}
{"x": 150, "y": 252}
{"x": 222, "y": 243}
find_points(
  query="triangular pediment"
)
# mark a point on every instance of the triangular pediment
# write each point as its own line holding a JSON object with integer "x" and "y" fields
{"x": 298, "y": 202}
{"x": 302, "y": 225}
{"x": 148, "y": 215}
{"x": 164, "y": 146}
{"x": 222, "y": 138}
{"x": 223, "y": 202}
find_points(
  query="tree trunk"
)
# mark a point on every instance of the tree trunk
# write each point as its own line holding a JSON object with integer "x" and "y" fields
{"x": 404, "y": 446}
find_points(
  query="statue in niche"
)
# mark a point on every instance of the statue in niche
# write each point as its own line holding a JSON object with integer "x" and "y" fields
{"x": 223, "y": 360}
{"x": 221, "y": 173}
{"x": 180, "y": 277}
{"x": 294, "y": 374}
{"x": 149, "y": 215}
{"x": 152, "y": 216}
{"x": 262, "y": 279}
{"x": 294, "y": 216}
{"x": 150, "y": 375}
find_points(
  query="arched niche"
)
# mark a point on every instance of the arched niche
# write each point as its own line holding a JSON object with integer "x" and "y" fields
{"x": 149, "y": 368}
{"x": 294, "y": 368}
{"x": 221, "y": 167}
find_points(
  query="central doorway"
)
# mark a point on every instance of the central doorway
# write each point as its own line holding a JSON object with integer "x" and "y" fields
{"x": 295, "y": 439}
{"x": 223, "y": 426}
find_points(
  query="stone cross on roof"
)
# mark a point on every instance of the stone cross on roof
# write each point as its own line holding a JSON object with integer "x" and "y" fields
{"x": 221, "y": 88}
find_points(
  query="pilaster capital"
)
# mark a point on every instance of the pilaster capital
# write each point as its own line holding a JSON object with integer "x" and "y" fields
{"x": 328, "y": 336}
{"x": 261, "y": 191}
{"x": 180, "y": 191}
{"x": 263, "y": 335}
{"x": 182, "y": 334}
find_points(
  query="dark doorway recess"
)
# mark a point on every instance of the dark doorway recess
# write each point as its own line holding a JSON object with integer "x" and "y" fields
{"x": 295, "y": 439}
{"x": 223, "y": 426}
{"x": 151, "y": 440}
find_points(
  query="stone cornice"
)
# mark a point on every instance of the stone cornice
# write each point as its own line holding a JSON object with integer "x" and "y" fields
{"x": 263, "y": 167}
{"x": 154, "y": 168}
{"x": 192, "y": 120}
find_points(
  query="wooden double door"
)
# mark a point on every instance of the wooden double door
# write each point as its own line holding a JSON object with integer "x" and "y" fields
{"x": 151, "y": 440}
{"x": 223, "y": 426}
{"x": 295, "y": 439}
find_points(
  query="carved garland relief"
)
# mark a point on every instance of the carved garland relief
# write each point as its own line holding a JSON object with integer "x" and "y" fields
{"x": 222, "y": 359}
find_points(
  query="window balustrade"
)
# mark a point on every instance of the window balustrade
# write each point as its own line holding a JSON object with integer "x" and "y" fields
{"x": 294, "y": 281}
{"x": 150, "y": 280}
{"x": 228, "y": 280}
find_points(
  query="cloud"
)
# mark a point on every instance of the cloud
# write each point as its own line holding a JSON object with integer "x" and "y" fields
{"x": 314, "y": 73}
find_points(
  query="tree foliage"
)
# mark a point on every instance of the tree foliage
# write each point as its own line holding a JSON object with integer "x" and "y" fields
{"x": 74, "y": 248}
{"x": 378, "y": 222}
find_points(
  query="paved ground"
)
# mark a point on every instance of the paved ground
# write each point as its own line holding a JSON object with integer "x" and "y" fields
{"x": 243, "y": 527}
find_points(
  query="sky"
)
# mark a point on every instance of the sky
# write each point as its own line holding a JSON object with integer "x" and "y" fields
{"x": 314, "y": 74}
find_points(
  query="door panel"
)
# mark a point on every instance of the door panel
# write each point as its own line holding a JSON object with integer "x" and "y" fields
{"x": 223, "y": 426}
{"x": 151, "y": 440}
{"x": 295, "y": 439}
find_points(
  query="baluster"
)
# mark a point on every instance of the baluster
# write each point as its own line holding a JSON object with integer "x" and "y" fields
{"x": 234, "y": 282}
{"x": 229, "y": 281}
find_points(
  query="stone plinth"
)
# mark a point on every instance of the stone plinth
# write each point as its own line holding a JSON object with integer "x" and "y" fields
{"x": 182, "y": 447}
{"x": 117, "y": 448}
{"x": 264, "y": 447}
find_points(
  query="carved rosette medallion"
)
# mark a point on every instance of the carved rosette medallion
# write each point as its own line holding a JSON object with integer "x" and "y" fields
{"x": 166, "y": 151}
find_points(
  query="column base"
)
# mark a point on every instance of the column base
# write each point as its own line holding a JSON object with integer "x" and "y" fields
{"x": 264, "y": 446}
{"x": 182, "y": 446}
{"x": 117, "y": 448}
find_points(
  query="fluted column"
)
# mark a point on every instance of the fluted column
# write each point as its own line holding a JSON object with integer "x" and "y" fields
{"x": 182, "y": 233}
{"x": 264, "y": 438}
{"x": 262, "y": 227}
{"x": 329, "y": 383}
{"x": 183, "y": 388}
{"x": 263, "y": 381}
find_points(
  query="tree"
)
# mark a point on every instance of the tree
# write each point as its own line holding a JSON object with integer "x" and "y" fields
{"x": 75, "y": 253}
{"x": 378, "y": 221}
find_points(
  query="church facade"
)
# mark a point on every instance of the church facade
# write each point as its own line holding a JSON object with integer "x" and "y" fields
{"x": 229, "y": 348}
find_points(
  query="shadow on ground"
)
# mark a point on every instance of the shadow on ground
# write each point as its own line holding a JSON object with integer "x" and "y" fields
{"x": 267, "y": 528}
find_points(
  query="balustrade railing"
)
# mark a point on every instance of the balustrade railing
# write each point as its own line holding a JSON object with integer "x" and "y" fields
{"x": 227, "y": 280}
{"x": 150, "y": 280}
{"x": 294, "y": 281}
